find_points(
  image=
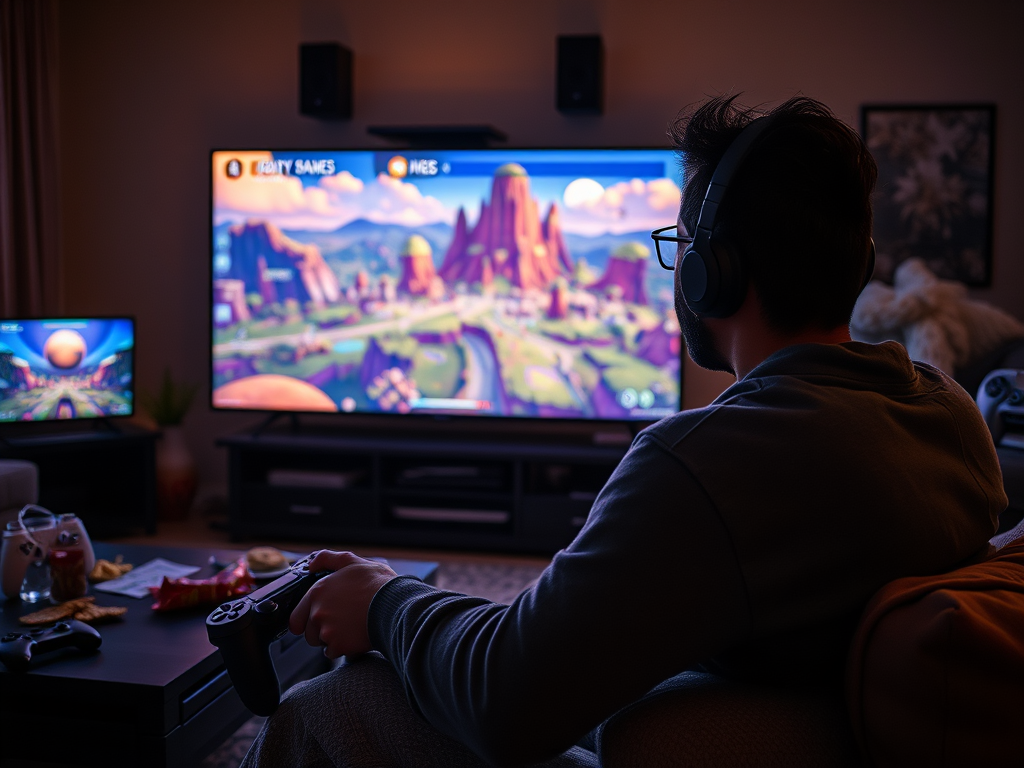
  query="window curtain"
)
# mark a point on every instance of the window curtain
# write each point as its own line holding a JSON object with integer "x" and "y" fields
{"x": 29, "y": 249}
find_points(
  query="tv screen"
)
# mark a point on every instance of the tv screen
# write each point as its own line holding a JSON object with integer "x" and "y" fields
{"x": 505, "y": 283}
{"x": 54, "y": 369}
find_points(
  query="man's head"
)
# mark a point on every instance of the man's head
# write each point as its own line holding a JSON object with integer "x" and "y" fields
{"x": 797, "y": 213}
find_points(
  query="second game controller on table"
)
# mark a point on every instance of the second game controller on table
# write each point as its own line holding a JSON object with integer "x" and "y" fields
{"x": 243, "y": 630}
{"x": 17, "y": 649}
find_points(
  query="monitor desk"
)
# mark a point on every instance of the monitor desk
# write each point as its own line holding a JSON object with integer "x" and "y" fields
{"x": 155, "y": 694}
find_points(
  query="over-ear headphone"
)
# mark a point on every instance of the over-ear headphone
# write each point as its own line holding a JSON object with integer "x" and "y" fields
{"x": 711, "y": 275}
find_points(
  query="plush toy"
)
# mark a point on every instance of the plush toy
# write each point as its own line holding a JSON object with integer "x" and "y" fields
{"x": 934, "y": 319}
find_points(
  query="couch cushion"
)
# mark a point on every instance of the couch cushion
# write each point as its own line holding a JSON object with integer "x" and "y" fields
{"x": 936, "y": 672}
{"x": 697, "y": 720}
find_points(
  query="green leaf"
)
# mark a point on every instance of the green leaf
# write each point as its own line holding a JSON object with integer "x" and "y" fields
{"x": 171, "y": 402}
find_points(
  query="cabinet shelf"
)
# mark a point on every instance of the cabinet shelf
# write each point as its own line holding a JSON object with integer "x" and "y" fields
{"x": 412, "y": 491}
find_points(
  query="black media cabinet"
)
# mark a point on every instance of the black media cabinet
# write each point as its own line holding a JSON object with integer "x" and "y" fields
{"x": 450, "y": 492}
{"x": 105, "y": 473}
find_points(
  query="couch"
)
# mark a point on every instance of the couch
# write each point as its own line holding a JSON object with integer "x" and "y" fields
{"x": 935, "y": 678}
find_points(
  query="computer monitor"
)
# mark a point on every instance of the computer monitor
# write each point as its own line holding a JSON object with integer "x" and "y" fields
{"x": 66, "y": 368}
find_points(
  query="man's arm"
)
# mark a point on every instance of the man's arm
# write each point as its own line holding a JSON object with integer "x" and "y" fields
{"x": 649, "y": 588}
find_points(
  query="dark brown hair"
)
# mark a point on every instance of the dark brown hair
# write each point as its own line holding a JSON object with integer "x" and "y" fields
{"x": 798, "y": 210}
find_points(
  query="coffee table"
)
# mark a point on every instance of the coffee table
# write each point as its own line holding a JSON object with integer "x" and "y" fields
{"x": 155, "y": 694}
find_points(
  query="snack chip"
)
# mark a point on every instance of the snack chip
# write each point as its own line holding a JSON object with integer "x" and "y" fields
{"x": 265, "y": 559}
{"x": 104, "y": 570}
{"x": 92, "y": 613}
{"x": 56, "y": 612}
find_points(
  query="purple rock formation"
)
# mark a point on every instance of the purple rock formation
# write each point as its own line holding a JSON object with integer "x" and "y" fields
{"x": 279, "y": 268}
{"x": 509, "y": 239}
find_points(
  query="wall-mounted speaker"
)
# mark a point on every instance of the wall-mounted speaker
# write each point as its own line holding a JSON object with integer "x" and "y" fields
{"x": 580, "y": 75}
{"x": 325, "y": 80}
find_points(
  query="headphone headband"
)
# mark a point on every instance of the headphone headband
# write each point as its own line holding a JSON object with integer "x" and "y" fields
{"x": 724, "y": 172}
{"x": 712, "y": 277}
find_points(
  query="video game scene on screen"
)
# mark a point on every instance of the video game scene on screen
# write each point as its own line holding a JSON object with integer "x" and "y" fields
{"x": 65, "y": 369}
{"x": 484, "y": 282}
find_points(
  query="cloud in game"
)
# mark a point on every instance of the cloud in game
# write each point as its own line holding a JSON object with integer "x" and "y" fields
{"x": 390, "y": 200}
{"x": 622, "y": 207}
{"x": 333, "y": 202}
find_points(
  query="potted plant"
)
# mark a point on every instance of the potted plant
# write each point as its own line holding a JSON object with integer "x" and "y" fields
{"x": 176, "y": 477}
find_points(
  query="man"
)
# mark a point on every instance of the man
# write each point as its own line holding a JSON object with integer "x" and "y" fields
{"x": 743, "y": 538}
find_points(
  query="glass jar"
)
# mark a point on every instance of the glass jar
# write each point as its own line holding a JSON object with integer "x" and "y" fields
{"x": 67, "y": 571}
{"x": 36, "y": 585}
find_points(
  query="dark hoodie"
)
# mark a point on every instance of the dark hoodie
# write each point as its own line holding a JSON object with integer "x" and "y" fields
{"x": 745, "y": 537}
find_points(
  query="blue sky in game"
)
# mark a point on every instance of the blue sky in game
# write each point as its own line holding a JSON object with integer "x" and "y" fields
{"x": 103, "y": 337}
{"x": 599, "y": 191}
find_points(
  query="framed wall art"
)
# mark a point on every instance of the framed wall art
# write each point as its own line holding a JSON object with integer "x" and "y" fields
{"x": 933, "y": 200}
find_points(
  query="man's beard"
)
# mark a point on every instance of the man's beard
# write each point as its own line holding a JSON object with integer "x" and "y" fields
{"x": 700, "y": 344}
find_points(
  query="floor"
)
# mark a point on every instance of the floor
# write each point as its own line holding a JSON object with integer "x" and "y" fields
{"x": 497, "y": 577}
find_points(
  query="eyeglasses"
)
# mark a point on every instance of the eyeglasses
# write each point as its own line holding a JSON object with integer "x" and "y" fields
{"x": 668, "y": 260}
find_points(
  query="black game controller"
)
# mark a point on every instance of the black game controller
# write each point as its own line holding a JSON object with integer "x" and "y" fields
{"x": 243, "y": 630}
{"x": 17, "y": 649}
{"x": 1001, "y": 401}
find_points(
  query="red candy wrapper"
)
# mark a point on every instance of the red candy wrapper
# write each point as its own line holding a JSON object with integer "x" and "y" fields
{"x": 185, "y": 593}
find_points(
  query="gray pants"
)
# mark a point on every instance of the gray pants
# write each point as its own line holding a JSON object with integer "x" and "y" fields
{"x": 357, "y": 716}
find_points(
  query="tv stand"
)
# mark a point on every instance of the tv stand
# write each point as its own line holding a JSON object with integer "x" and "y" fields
{"x": 293, "y": 420}
{"x": 437, "y": 489}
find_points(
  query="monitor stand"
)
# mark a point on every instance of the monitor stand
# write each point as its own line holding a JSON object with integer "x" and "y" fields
{"x": 62, "y": 431}
{"x": 104, "y": 424}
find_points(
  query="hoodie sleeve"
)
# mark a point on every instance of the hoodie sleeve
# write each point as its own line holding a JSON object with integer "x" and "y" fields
{"x": 649, "y": 588}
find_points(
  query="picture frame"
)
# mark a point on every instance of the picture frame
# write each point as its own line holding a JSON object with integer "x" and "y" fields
{"x": 933, "y": 199}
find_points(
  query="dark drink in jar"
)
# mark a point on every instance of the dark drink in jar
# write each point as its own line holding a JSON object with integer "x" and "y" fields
{"x": 67, "y": 569}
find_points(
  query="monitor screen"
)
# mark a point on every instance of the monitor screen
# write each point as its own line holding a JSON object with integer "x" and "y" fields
{"x": 66, "y": 369}
{"x": 504, "y": 283}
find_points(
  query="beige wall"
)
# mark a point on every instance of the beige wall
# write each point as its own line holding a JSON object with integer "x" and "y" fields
{"x": 148, "y": 88}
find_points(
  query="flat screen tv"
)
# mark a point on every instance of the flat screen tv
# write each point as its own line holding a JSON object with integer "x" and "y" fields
{"x": 497, "y": 282}
{"x": 63, "y": 368}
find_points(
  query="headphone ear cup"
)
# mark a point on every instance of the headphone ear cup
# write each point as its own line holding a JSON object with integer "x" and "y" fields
{"x": 693, "y": 280}
{"x": 871, "y": 265}
{"x": 713, "y": 285}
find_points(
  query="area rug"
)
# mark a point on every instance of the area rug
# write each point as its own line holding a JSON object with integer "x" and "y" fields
{"x": 498, "y": 582}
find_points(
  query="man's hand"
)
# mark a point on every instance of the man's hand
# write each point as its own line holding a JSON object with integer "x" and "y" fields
{"x": 333, "y": 612}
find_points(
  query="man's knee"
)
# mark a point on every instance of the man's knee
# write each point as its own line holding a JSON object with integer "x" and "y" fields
{"x": 329, "y": 718}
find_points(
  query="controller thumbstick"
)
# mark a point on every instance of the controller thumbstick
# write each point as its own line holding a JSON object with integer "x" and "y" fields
{"x": 995, "y": 386}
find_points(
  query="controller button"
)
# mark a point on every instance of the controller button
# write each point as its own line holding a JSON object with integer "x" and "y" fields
{"x": 994, "y": 387}
{"x": 62, "y": 627}
{"x": 225, "y": 607}
{"x": 217, "y": 617}
{"x": 9, "y": 637}
{"x": 238, "y": 606}
{"x": 233, "y": 615}
{"x": 267, "y": 606}
{"x": 1017, "y": 397}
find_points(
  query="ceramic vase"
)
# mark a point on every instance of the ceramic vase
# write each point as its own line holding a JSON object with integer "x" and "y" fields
{"x": 175, "y": 475}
